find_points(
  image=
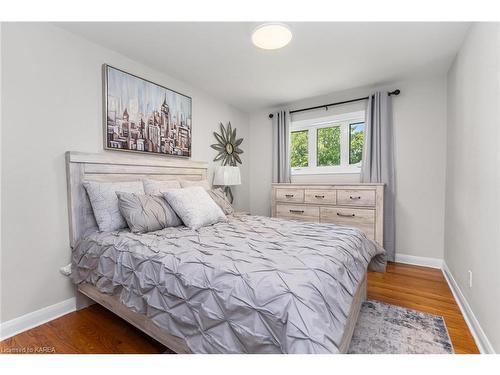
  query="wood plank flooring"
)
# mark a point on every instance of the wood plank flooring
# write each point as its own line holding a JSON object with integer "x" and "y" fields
{"x": 96, "y": 330}
{"x": 423, "y": 289}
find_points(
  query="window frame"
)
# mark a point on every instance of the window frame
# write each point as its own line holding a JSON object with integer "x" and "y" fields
{"x": 312, "y": 125}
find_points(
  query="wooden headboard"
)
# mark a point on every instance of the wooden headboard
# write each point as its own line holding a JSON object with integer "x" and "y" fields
{"x": 111, "y": 166}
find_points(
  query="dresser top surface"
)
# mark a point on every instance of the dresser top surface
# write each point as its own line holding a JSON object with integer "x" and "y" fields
{"x": 297, "y": 184}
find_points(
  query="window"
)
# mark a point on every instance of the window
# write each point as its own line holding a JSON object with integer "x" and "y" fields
{"x": 327, "y": 145}
{"x": 299, "y": 156}
{"x": 356, "y": 140}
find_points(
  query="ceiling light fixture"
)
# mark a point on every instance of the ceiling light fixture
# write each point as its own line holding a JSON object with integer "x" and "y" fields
{"x": 271, "y": 36}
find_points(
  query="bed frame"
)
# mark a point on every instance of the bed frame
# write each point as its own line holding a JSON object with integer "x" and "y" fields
{"x": 109, "y": 166}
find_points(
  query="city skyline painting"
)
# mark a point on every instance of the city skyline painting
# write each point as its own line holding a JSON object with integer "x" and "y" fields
{"x": 142, "y": 116}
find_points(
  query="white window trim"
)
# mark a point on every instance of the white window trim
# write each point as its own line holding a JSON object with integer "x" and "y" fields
{"x": 341, "y": 120}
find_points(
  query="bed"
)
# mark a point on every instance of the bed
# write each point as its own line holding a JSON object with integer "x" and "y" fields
{"x": 249, "y": 285}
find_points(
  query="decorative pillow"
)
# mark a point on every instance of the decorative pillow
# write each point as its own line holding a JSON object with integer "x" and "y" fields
{"x": 220, "y": 198}
{"x": 153, "y": 187}
{"x": 203, "y": 183}
{"x": 194, "y": 206}
{"x": 146, "y": 213}
{"x": 104, "y": 202}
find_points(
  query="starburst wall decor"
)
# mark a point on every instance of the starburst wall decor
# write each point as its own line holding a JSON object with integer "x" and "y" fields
{"x": 227, "y": 146}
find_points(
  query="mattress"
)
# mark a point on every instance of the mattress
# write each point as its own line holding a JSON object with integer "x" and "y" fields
{"x": 249, "y": 285}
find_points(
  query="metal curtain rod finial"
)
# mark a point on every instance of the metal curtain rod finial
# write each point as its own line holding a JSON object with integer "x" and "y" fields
{"x": 390, "y": 93}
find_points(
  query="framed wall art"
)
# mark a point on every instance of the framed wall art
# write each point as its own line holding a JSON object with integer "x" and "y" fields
{"x": 144, "y": 117}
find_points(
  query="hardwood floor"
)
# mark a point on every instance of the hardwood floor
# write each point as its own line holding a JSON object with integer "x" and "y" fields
{"x": 96, "y": 330}
{"x": 91, "y": 330}
{"x": 424, "y": 289}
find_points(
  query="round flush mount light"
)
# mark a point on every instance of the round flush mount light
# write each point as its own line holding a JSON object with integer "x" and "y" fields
{"x": 271, "y": 36}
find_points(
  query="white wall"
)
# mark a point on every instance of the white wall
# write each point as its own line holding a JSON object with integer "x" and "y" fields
{"x": 51, "y": 103}
{"x": 420, "y": 139}
{"x": 1, "y": 95}
{"x": 472, "y": 215}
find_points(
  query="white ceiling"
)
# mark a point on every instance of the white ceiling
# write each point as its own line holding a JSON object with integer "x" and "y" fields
{"x": 321, "y": 58}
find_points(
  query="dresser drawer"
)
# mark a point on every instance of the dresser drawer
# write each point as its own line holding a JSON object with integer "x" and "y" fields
{"x": 297, "y": 212}
{"x": 356, "y": 197}
{"x": 320, "y": 196}
{"x": 290, "y": 195}
{"x": 350, "y": 217}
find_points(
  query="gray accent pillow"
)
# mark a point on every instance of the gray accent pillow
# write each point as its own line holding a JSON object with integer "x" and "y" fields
{"x": 194, "y": 206}
{"x": 220, "y": 198}
{"x": 104, "y": 202}
{"x": 203, "y": 183}
{"x": 146, "y": 213}
{"x": 153, "y": 187}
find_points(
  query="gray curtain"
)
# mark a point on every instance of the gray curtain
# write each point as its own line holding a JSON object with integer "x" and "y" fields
{"x": 281, "y": 134}
{"x": 378, "y": 160}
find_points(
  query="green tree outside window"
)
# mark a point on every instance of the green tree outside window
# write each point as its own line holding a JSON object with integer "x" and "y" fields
{"x": 328, "y": 146}
{"x": 356, "y": 140}
{"x": 299, "y": 156}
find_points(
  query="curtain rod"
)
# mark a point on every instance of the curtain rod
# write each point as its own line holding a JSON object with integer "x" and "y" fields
{"x": 395, "y": 92}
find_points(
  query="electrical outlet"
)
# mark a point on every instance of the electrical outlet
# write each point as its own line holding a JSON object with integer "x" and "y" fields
{"x": 66, "y": 270}
{"x": 470, "y": 279}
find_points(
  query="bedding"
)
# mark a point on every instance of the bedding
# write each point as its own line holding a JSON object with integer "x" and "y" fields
{"x": 104, "y": 202}
{"x": 249, "y": 285}
{"x": 203, "y": 183}
{"x": 146, "y": 213}
{"x": 220, "y": 198}
{"x": 153, "y": 187}
{"x": 194, "y": 207}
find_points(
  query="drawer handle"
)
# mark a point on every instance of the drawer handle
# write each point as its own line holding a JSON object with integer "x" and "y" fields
{"x": 353, "y": 198}
{"x": 319, "y": 196}
{"x": 289, "y": 195}
{"x": 296, "y": 211}
{"x": 345, "y": 215}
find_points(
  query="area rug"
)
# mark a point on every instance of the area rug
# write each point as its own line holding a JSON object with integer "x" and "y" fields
{"x": 389, "y": 329}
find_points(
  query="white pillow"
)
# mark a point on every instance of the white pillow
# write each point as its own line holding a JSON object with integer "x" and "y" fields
{"x": 194, "y": 206}
{"x": 153, "y": 187}
{"x": 102, "y": 196}
{"x": 203, "y": 183}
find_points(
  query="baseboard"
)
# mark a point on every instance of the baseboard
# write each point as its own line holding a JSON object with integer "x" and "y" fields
{"x": 419, "y": 261}
{"x": 482, "y": 342}
{"x": 36, "y": 318}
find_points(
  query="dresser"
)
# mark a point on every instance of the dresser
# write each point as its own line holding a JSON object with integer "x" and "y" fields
{"x": 353, "y": 205}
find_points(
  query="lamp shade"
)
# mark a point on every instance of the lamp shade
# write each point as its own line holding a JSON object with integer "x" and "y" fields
{"x": 227, "y": 176}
